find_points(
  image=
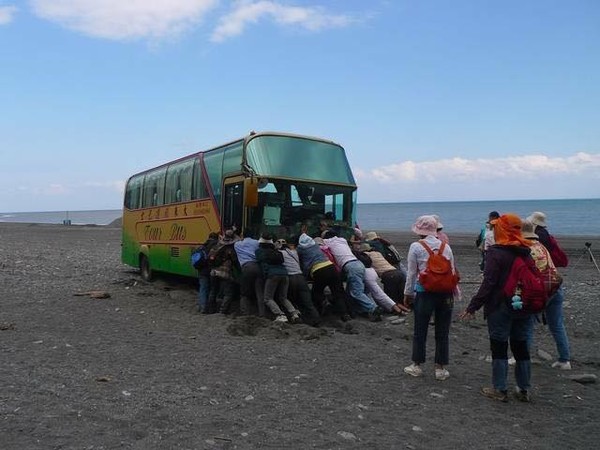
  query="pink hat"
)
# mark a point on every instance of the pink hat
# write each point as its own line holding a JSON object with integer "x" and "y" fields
{"x": 425, "y": 226}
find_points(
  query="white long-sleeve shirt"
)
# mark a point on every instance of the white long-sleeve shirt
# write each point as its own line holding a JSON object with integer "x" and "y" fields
{"x": 417, "y": 261}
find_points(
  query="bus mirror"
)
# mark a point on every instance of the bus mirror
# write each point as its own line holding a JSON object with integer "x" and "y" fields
{"x": 251, "y": 192}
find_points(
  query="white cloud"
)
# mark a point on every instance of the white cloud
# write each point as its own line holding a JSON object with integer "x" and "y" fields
{"x": 513, "y": 177}
{"x": 117, "y": 186}
{"x": 124, "y": 19}
{"x": 7, "y": 14}
{"x": 245, "y": 12}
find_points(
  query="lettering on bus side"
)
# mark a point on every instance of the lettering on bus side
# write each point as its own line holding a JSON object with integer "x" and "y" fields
{"x": 177, "y": 233}
{"x": 152, "y": 233}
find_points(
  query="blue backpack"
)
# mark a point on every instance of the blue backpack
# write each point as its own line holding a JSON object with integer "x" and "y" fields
{"x": 199, "y": 258}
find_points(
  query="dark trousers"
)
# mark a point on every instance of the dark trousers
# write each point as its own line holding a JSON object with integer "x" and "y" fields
{"x": 224, "y": 288}
{"x": 393, "y": 284}
{"x": 252, "y": 290}
{"x": 299, "y": 294}
{"x": 329, "y": 277}
{"x": 440, "y": 305}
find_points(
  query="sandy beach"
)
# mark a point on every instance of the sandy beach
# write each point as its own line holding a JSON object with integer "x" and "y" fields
{"x": 142, "y": 369}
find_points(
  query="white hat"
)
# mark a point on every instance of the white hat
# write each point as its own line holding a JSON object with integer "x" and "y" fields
{"x": 538, "y": 218}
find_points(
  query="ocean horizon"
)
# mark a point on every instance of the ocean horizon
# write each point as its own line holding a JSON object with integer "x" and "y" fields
{"x": 580, "y": 217}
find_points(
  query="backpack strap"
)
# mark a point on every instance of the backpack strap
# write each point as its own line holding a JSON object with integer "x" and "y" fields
{"x": 426, "y": 247}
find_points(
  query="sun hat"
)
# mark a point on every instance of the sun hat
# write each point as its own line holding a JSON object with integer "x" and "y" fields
{"x": 364, "y": 247}
{"x": 425, "y": 226}
{"x": 507, "y": 230}
{"x": 527, "y": 230}
{"x": 538, "y": 218}
{"x": 440, "y": 225}
{"x": 371, "y": 236}
{"x": 228, "y": 236}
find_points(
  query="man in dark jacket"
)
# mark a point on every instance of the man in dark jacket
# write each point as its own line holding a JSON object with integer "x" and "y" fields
{"x": 204, "y": 273}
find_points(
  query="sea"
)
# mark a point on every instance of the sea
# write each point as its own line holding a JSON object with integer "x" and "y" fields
{"x": 580, "y": 217}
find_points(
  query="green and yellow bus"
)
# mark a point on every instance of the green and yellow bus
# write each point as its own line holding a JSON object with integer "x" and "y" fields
{"x": 265, "y": 182}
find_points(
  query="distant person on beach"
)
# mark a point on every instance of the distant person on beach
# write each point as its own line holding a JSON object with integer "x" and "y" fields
{"x": 554, "y": 308}
{"x": 504, "y": 324}
{"x": 321, "y": 270}
{"x": 427, "y": 303}
{"x": 486, "y": 237}
{"x": 204, "y": 273}
{"x": 354, "y": 271}
{"x": 392, "y": 278}
{"x": 276, "y": 281}
{"x": 251, "y": 282}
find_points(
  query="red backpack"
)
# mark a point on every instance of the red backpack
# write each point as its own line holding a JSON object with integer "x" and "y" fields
{"x": 438, "y": 275}
{"x": 526, "y": 286}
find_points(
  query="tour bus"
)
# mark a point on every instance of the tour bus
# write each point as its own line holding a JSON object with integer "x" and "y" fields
{"x": 266, "y": 182}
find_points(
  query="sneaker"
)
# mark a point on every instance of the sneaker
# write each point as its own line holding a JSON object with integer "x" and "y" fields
{"x": 441, "y": 374}
{"x": 522, "y": 395}
{"x": 512, "y": 361}
{"x": 494, "y": 394}
{"x": 414, "y": 370}
{"x": 281, "y": 318}
{"x": 562, "y": 365}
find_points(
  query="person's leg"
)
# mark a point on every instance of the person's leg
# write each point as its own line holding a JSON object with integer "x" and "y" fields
{"x": 373, "y": 288}
{"x": 332, "y": 279}
{"x": 269, "y": 300}
{"x": 203, "y": 292}
{"x": 393, "y": 284}
{"x": 299, "y": 293}
{"x": 355, "y": 275}
{"x": 215, "y": 285}
{"x": 520, "y": 329}
{"x": 443, "y": 319}
{"x": 499, "y": 331}
{"x": 423, "y": 307}
{"x": 282, "y": 295}
{"x": 228, "y": 296}
{"x": 256, "y": 275}
{"x": 556, "y": 325}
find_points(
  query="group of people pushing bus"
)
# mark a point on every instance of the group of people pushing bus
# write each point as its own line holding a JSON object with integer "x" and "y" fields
{"x": 287, "y": 280}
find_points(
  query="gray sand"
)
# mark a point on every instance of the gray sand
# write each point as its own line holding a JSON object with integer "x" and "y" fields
{"x": 143, "y": 370}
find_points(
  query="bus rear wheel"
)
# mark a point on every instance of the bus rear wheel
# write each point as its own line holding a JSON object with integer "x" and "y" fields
{"x": 145, "y": 269}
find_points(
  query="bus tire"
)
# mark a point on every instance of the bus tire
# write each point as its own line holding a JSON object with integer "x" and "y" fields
{"x": 145, "y": 269}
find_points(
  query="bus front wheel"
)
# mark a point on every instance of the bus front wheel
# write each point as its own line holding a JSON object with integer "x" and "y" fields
{"x": 145, "y": 269}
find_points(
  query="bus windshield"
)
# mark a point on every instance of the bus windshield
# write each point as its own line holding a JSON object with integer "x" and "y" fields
{"x": 298, "y": 158}
{"x": 285, "y": 206}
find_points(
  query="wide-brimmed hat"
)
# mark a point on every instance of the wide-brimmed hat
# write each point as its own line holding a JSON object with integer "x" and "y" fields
{"x": 527, "y": 230}
{"x": 371, "y": 236}
{"x": 538, "y": 218}
{"x": 229, "y": 236}
{"x": 507, "y": 230}
{"x": 364, "y": 247}
{"x": 425, "y": 226}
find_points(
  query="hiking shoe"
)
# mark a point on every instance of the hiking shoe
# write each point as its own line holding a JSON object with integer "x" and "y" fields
{"x": 295, "y": 318}
{"x": 441, "y": 374}
{"x": 522, "y": 395}
{"x": 562, "y": 365}
{"x": 414, "y": 370}
{"x": 281, "y": 318}
{"x": 512, "y": 361}
{"x": 375, "y": 315}
{"x": 494, "y": 394}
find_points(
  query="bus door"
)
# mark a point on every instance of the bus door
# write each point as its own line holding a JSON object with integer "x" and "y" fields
{"x": 233, "y": 204}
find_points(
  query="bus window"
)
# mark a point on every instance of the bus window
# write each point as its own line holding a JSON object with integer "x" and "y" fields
{"x": 213, "y": 161}
{"x": 178, "y": 186}
{"x": 133, "y": 192}
{"x": 154, "y": 188}
{"x": 232, "y": 161}
{"x": 233, "y": 206}
{"x": 198, "y": 187}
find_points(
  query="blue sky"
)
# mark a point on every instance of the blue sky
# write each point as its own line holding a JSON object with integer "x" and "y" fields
{"x": 433, "y": 100}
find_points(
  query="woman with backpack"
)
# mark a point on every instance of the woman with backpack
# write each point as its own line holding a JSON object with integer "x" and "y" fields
{"x": 430, "y": 297}
{"x": 505, "y": 324}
